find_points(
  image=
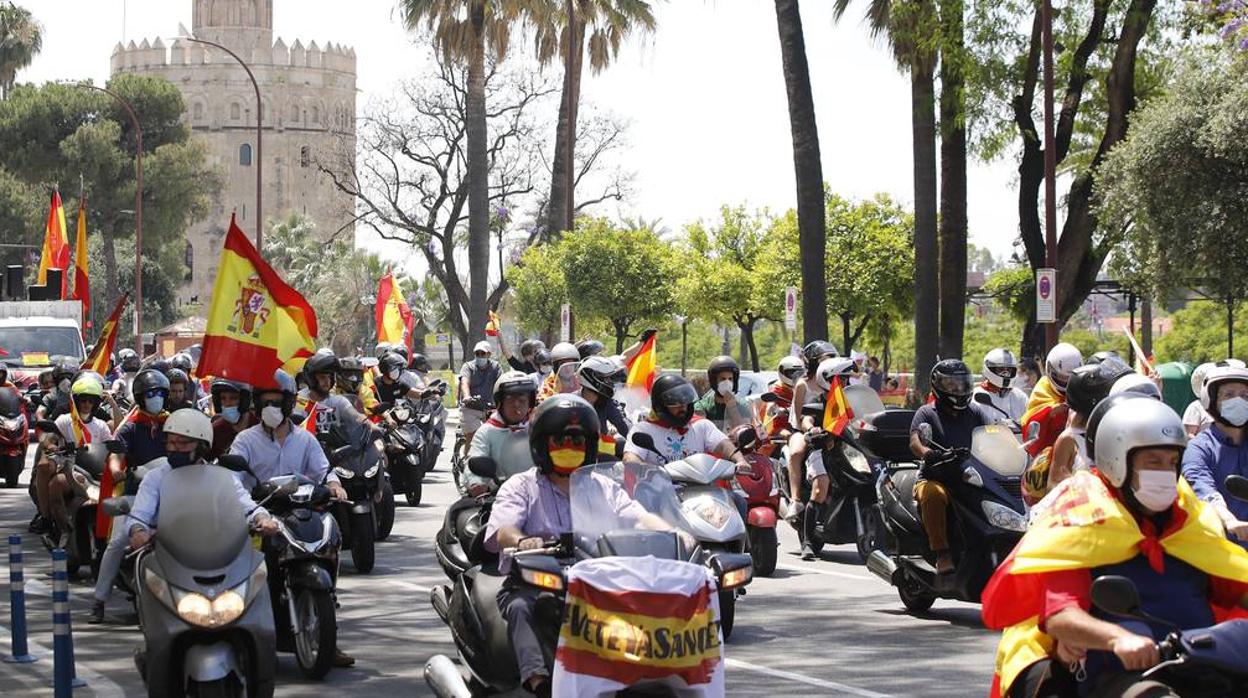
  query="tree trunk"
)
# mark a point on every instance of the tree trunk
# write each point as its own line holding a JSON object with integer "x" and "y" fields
{"x": 1146, "y": 325}
{"x": 478, "y": 179}
{"x": 621, "y": 334}
{"x": 557, "y": 207}
{"x": 808, "y": 168}
{"x": 953, "y": 222}
{"x": 749, "y": 350}
{"x": 847, "y": 342}
{"x": 926, "y": 286}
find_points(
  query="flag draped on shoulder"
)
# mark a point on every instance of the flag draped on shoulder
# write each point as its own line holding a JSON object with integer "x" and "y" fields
{"x": 837, "y": 414}
{"x": 104, "y": 344}
{"x": 1082, "y": 525}
{"x": 256, "y": 322}
{"x": 394, "y": 318}
{"x": 82, "y": 283}
{"x": 633, "y": 618}
{"x": 643, "y": 367}
{"x": 55, "y": 244}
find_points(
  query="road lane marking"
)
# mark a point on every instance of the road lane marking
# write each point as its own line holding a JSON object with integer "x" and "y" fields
{"x": 409, "y": 585}
{"x": 802, "y": 678}
{"x": 830, "y": 573}
{"x": 99, "y": 684}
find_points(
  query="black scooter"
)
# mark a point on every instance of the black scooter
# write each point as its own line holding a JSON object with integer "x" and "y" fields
{"x": 460, "y": 542}
{"x": 413, "y": 439}
{"x": 986, "y": 515}
{"x": 361, "y": 471}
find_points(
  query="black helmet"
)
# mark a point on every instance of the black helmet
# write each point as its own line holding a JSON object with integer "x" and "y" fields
{"x": 541, "y": 358}
{"x": 951, "y": 381}
{"x": 281, "y": 383}
{"x": 566, "y": 422}
{"x": 529, "y": 347}
{"x": 589, "y": 347}
{"x": 1090, "y": 383}
{"x": 719, "y": 364}
{"x": 1100, "y": 356}
{"x": 668, "y": 390}
{"x": 148, "y": 380}
{"x": 321, "y": 362}
{"x": 64, "y": 370}
{"x": 420, "y": 362}
{"x": 224, "y": 385}
{"x": 350, "y": 374}
{"x": 129, "y": 359}
{"x": 600, "y": 374}
{"x": 390, "y": 361}
{"x": 400, "y": 349}
{"x": 183, "y": 362}
{"x": 816, "y": 351}
{"x": 177, "y": 375}
{"x": 159, "y": 364}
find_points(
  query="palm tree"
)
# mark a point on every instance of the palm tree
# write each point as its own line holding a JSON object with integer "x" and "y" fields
{"x": 601, "y": 26}
{"x": 808, "y": 167}
{"x": 462, "y": 29}
{"x": 910, "y": 28}
{"x": 953, "y": 221}
{"x": 21, "y": 39}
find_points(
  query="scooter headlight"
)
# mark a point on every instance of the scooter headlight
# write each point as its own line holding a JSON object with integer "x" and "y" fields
{"x": 344, "y": 473}
{"x": 1004, "y": 517}
{"x": 971, "y": 476}
{"x": 735, "y": 578}
{"x": 197, "y": 609}
{"x": 542, "y": 580}
{"x": 710, "y": 511}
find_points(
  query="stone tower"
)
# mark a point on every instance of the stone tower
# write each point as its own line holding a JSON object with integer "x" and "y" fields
{"x": 308, "y": 112}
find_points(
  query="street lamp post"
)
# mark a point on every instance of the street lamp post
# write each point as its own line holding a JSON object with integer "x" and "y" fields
{"x": 1050, "y": 167}
{"x": 259, "y": 134}
{"x": 138, "y": 212}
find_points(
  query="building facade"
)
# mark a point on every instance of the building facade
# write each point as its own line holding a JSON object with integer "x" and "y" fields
{"x": 308, "y": 117}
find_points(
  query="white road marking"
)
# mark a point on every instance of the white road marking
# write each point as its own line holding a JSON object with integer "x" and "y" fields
{"x": 802, "y": 678}
{"x": 830, "y": 573}
{"x": 99, "y": 685}
{"x": 409, "y": 585}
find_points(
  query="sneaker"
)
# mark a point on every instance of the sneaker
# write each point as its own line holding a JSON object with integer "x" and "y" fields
{"x": 342, "y": 660}
{"x": 808, "y": 553}
{"x": 97, "y": 613}
{"x": 40, "y": 525}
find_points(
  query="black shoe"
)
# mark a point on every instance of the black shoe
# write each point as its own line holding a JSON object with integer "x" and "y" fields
{"x": 808, "y": 553}
{"x": 342, "y": 660}
{"x": 40, "y": 525}
{"x": 97, "y": 613}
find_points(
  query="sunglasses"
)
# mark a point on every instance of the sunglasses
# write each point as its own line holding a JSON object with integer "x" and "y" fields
{"x": 268, "y": 403}
{"x": 156, "y": 392}
{"x": 567, "y": 441}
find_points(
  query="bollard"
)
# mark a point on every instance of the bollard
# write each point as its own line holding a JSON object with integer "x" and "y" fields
{"x": 64, "y": 678}
{"x": 17, "y": 604}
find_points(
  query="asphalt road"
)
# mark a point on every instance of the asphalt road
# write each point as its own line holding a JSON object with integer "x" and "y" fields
{"x": 826, "y": 628}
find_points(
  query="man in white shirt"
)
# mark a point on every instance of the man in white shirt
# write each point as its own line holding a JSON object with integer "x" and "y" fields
{"x": 1000, "y": 373}
{"x": 677, "y": 432}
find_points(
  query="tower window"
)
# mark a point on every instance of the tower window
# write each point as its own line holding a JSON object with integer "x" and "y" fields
{"x": 198, "y": 111}
{"x": 294, "y": 113}
{"x": 316, "y": 115}
{"x": 305, "y": 156}
{"x": 244, "y": 155}
{"x": 190, "y": 262}
{"x": 236, "y": 112}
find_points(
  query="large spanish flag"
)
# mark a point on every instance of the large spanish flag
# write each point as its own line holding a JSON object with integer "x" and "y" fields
{"x": 256, "y": 323}
{"x": 98, "y": 361}
{"x": 82, "y": 285}
{"x": 1083, "y": 525}
{"x": 643, "y": 368}
{"x": 55, "y": 244}
{"x": 394, "y": 318}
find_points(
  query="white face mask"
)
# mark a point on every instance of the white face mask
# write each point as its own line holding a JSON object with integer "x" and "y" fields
{"x": 272, "y": 416}
{"x": 724, "y": 387}
{"x": 1158, "y": 489}
{"x": 394, "y": 375}
{"x": 1234, "y": 410}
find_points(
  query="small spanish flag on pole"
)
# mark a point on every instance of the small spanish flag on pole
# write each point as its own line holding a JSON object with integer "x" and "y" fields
{"x": 82, "y": 284}
{"x": 55, "y": 244}
{"x": 837, "y": 413}
{"x": 98, "y": 361}
{"x": 394, "y": 317}
{"x": 494, "y": 325}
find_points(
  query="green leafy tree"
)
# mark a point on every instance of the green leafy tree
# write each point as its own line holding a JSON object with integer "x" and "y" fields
{"x": 21, "y": 39}
{"x": 539, "y": 288}
{"x": 621, "y": 276}
{"x": 1199, "y": 333}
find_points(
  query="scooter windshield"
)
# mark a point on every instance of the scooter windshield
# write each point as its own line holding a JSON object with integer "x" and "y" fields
{"x": 863, "y": 401}
{"x": 201, "y": 522}
{"x": 997, "y": 447}
{"x": 607, "y": 497}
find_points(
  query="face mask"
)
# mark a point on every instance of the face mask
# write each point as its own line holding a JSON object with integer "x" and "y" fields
{"x": 63, "y": 386}
{"x": 272, "y": 416}
{"x": 566, "y": 460}
{"x": 231, "y": 414}
{"x": 394, "y": 375}
{"x": 86, "y": 415}
{"x": 177, "y": 459}
{"x": 567, "y": 371}
{"x": 724, "y": 388}
{"x": 481, "y": 361}
{"x": 1234, "y": 410}
{"x": 1158, "y": 489}
{"x": 153, "y": 405}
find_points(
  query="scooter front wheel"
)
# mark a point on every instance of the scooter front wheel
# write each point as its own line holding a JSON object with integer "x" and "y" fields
{"x": 317, "y": 640}
{"x": 385, "y": 512}
{"x": 415, "y": 491}
{"x": 363, "y": 542}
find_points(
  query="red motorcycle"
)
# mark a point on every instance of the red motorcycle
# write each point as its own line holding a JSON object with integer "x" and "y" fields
{"x": 14, "y": 437}
{"x": 762, "y": 500}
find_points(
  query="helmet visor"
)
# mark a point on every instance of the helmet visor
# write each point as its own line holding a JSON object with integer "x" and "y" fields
{"x": 793, "y": 372}
{"x": 1006, "y": 372}
{"x": 957, "y": 385}
{"x": 683, "y": 394}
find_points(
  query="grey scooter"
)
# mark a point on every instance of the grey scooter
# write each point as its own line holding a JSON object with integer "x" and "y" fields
{"x": 203, "y": 603}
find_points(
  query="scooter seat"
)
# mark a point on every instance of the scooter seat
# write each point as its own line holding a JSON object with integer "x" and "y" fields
{"x": 901, "y": 505}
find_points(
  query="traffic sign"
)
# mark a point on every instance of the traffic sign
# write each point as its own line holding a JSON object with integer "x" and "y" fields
{"x": 1046, "y": 296}
{"x": 565, "y": 322}
{"x": 790, "y": 308}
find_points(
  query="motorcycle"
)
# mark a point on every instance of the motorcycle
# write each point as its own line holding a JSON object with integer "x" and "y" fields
{"x": 413, "y": 441}
{"x": 986, "y": 517}
{"x": 14, "y": 436}
{"x": 303, "y": 570}
{"x": 204, "y": 605}
{"x": 82, "y": 467}
{"x": 459, "y": 456}
{"x": 762, "y": 500}
{"x": 470, "y": 608}
{"x": 708, "y": 509}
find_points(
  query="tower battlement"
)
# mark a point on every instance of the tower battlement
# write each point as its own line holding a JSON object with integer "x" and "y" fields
{"x": 180, "y": 53}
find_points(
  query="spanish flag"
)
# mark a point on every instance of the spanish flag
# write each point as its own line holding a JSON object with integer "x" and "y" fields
{"x": 82, "y": 285}
{"x": 98, "y": 361}
{"x": 1083, "y": 525}
{"x": 256, "y": 323}
{"x": 394, "y": 317}
{"x": 643, "y": 368}
{"x": 1044, "y": 399}
{"x": 55, "y": 244}
{"x": 492, "y": 327}
{"x": 837, "y": 414}
{"x": 82, "y": 437}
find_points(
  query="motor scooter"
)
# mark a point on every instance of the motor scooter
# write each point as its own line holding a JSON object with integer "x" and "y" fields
{"x": 82, "y": 468}
{"x": 204, "y": 605}
{"x": 14, "y": 436}
{"x": 762, "y": 500}
{"x": 412, "y": 438}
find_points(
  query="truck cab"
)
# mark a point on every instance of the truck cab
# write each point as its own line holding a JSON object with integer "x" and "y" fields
{"x": 37, "y": 334}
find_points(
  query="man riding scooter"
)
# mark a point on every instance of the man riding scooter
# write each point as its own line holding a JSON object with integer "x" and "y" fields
{"x": 842, "y": 369}
{"x": 720, "y": 404}
{"x": 504, "y": 438}
{"x": 50, "y": 486}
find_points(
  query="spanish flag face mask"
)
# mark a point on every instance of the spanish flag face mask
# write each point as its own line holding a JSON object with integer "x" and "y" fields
{"x": 567, "y": 452}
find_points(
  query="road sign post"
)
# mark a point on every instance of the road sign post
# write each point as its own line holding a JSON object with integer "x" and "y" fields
{"x": 1046, "y": 296}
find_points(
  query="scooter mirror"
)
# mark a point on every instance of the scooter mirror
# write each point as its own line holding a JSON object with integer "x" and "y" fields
{"x": 813, "y": 409}
{"x": 116, "y": 506}
{"x": 1237, "y": 485}
{"x": 746, "y": 439}
{"x": 982, "y": 398}
{"x": 298, "y": 416}
{"x": 46, "y": 425}
{"x": 234, "y": 463}
{"x": 483, "y": 466}
{"x": 115, "y": 446}
{"x": 1117, "y": 595}
{"x": 769, "y": 397}
{"x": 641, "y": 440}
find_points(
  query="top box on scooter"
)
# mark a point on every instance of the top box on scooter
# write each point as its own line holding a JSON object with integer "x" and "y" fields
{"x": 887, "y": 434}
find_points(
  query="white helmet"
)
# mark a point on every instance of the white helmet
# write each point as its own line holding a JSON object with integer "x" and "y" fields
{"x": 1130, "y": 425}
{"x": 190, "y": 423}
{"x": 1000, "y": 367}
{"x": 1198, "y": 377}
{"x": 791, "y": 370}
{"x": 1062, "y": 359}
{"x": 1216, "y": 377}
{"x": 1135, "y": 382}
{"x": 830, "y": 368}
{"x": 564, "y": 351}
